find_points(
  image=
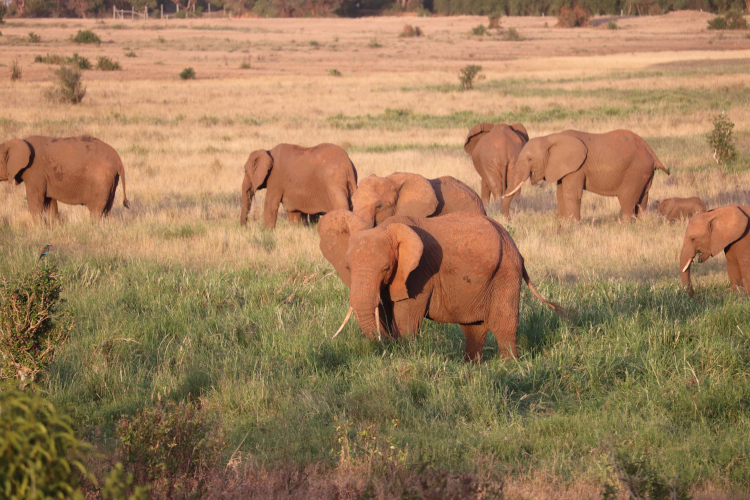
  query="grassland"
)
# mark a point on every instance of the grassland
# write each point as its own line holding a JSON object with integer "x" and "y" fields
{"x": 172, "y": 299}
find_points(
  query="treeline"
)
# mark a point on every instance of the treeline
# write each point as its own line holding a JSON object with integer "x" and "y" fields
{"x": 355, "y": 8}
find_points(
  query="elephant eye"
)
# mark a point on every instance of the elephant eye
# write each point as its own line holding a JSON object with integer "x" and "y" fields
{"x": 386, "y": 269}
{"x": 378, "y": 206}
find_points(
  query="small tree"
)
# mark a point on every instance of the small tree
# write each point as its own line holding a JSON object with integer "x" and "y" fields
{"x": 68, "y": 86}
{"x": 573, "y": 16}
{"x": 467, "y": 76}
{"x": 721, "y": 141}
{"x": 15, "y": 70}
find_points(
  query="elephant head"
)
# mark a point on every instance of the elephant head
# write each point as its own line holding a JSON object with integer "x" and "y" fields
{"x": 378, "y": 198}
{"x": 257, "y": 168}
{"x": 709, "y": 234}
{"x": 15, "y": 156}
{"x": 369, "y": 261}
{"x": 548, "y": 158}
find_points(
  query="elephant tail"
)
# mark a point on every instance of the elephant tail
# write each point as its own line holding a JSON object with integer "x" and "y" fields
{"x": 561, "y": 313}
{"x": 657, "y": 163}
{"x": 121, "y": 172}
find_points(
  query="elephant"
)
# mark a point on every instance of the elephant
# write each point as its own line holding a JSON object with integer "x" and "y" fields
{"x": 308, "y": 181}
{"x": 617, "y": 163}
{"x": 727, "y": 229}
{"x": 680, "y": 208}
{"x": 73, "y": 170}
{"x": 378, "y": 198}
{"x": 494, "y": 150}
{"x": 459, "y": 268}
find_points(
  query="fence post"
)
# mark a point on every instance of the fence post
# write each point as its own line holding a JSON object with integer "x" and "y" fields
{"x": 162, "y": 11}
{"x": 209, "y": 8}
{"x": 114, "y": 11}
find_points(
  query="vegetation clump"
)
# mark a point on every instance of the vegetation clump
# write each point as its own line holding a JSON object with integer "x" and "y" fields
{"x": 76, "y": 60}
{"x": 374, "y": 44}
{"x": 468, "y": 75}
{"x": 721, "y": 141}
{"x": 187, "y": 74}
{"x": 130, "y": 54}
{"x": 3, "y": 11}
{"x": 512, "y": 35}
{"x": 86, "y": 36}
{"x": 612, "y": 25}
{"x": 334, "y": 72}
{"x": 31, "y": 327}
{"x": 480, "y": 30}
{"x": 410, "y": 31}
{"x": 494, "y": 22}
{"x": 34, "y": 38}
{"x": 104, "y": 63}
{"x": 68, "y": 85}
{"x": 731, "y": 20}
{"x": 15, "y": 70}
{"x": 573, "y": 16}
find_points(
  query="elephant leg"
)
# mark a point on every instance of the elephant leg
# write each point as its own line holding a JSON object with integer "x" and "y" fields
{"x": 475, "y": 336}
{"x": 503, "y": 319}
{"x": 340, "y": 201}
{"x": 630, "y": 194}
{"x": 271, "y": 209}
{"x": 35, "y": 199}
{"x": 643, "y": 202}
{"x": 733, "y": 270}
{"x": 295, "y": 218}
{"x": 560, "y": 200}
{"x": 572, "y": 191}
{"x": 485, "y": 192}
{"x": 50, "y": 207}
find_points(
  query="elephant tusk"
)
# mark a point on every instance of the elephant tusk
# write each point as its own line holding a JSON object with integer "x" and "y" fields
{"x": 684, "y": 269}
{"x": 377, "y": 322}
{"x": 514, "y": 191}
{"x": 346, "y": 320}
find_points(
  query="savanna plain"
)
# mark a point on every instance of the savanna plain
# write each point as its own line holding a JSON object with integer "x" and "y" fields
{"x": 173, "y": 301}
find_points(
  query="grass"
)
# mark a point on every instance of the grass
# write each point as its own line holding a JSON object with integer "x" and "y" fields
{"x": 173, "y": 300}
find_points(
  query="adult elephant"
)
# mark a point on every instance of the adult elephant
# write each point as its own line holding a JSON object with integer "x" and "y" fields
{"x": 378, "y": 198}
{"x": 617, "y": 163}
{"x": 73, "y": 170}
{"x": 308, "y": 181}
{"x": 724, "y": 229}
{"x": 494, "y": 150}
{"x": 459, "y": 268}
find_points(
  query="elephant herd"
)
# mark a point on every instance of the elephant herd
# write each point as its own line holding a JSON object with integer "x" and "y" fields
{"x": 401, "y": 243}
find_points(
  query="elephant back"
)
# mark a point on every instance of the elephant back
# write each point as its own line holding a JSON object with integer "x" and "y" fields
{"x": 475, "y": 134}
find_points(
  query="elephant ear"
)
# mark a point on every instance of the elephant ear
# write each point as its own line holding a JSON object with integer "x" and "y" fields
{"x": 726, "y": 226}
{"x": 476, "y": 133}
{"x": 565, "y": 155}
{"x": 521, "y": 131}
{"x": 416, "y": 197}
{"x": 334, "y": 229}
{"x": 16, "y": 157}
{"x": 409, "y": 247}
{"x": 666, "y": 206}
{"x": 262, "y": 163}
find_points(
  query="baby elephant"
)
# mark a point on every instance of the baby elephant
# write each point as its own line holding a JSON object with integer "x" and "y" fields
{"x": 378, "y": 198}
{"x": 724, "y": 229}
{"x": 75, "y": 170}
{"x": 680, "y": 208}
{"x": 306, "y": 180}
{"x": 410, "y": 268}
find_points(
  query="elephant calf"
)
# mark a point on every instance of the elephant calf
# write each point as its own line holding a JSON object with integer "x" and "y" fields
{"x": 724, "y": 229}
{"x": 409, "y": 268}
{"x": 74, "y": 170}
{"x": 680, "y": 208}
{"x": 378, "y": 198}
{"x": 308, "y": 181}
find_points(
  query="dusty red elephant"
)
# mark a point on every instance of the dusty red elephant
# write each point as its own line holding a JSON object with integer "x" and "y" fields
{"x": 724, "y": 229}
{"x": 308, "y": 181}
{"x": 408, "y": 269}
{"x": 74, "y": 170}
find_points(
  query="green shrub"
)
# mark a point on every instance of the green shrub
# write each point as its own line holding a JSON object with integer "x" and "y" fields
{"x": 77, "y": 61}
{"x": 34, "y": 38}
{"x": 721, "y": 141}
{"x": 573, "y": 16}
{"x": 86, "y": 36}
{"x": 494, "y": 22}
{"x": 187, "y": 74}
{"x": 334, "y": 72}
{"x": 512, "y": 35}
{"x": 612, "y": 25}
{"x": 410, "y": 31}
{"x": 480, "y": 30}
{"x": 731, "y": 20}
{"x": 68, "y": 86}
{"x": 467, "y": 76}
{"x": 315, "y": 44}
{"x": 31, "y": 327}
{"x": 640, "y": 477}
{"x": 104, "y": 63}
{"x": 3, "y": 11}
{"x": 130, "y": 54}
{"x": 119, "y": 483}
{"x": 245, "y": 65}
{"x": 39, "y": 453}
{"x": 15, "y": 70}
{"x": 173, "y": 446}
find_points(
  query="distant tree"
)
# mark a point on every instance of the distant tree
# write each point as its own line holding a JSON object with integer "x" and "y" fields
{"x": 80, "y": 7}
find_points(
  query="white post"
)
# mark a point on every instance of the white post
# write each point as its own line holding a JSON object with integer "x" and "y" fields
{"x": 145, "y": 13}
{"x": 114, "y": 11}
{"x": 162, "y": 11}
{"x": 209, "y": 8}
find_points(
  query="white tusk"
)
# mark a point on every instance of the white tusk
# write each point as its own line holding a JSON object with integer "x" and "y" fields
{"x": 346, "y": 320}
{"x": 377, "y": 322}
{"x": 688, "y": 264}
{"x": 514, "y": 191}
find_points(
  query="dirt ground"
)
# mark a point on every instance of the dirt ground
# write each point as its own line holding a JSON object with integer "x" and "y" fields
{"x": 216, "y": 48}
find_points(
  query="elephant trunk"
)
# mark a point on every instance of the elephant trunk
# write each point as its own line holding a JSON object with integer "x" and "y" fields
{"x": 364, "y": 300}
{"x": 686, "y": 259}
{"x": 247, "y": 199}
{"x": 516, "y": 177}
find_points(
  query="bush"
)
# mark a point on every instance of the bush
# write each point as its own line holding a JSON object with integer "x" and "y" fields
{"x": 494, "y": 22}
{"x": 130, "y": 54}
{"x": 245, "y": 65}
{"x": 15, "y": 70}
{"x": 374, "y": 44}
{"x": 467, "y": 76}
{"x": 31, "y": 328}
{"x": 68, "y": 86}
{"x": 612, "y": 25}
{"x": 77, "y": 61}
{"x": 512, "y": 35}
{"x": 119, "y": 483}
{"x": 573, "y": 16}
{"x": 732, "y": 20}
{"x": 104, "y": 63}
{"x": 86, "y": 36}
{"x": 480, "y": 30}
{"x": 39, "y": 453}
{"x": 174, "y": 446}
{"x": 34, "y": 38}
{"x": 334, "y": 72}
{"x": 410, "y": 31}
{"x": 721, "y": 140}
{"x": 3, "y": 11}
{"x": 187, "y": 74}
{"x": 641, "y": 478}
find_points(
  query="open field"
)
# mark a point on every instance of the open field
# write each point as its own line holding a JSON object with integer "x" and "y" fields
{"x": 173, "y": 300}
